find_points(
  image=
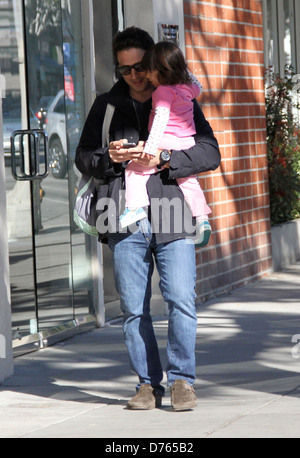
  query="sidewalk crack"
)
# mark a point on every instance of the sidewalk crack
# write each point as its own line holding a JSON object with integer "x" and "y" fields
{"x": 239, "y": 417}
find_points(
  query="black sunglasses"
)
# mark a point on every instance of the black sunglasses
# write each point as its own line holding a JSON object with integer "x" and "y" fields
{"x": 126, "y": 69}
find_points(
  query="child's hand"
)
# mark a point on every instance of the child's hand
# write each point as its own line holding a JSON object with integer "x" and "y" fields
{"x": 146, "y": 156}
{"x": 147, "y": 160}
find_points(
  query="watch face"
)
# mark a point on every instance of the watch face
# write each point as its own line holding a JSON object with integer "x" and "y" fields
{"x": 165, "y": 156}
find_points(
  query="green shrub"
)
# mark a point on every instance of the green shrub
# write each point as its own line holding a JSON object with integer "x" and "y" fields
{"x": 283, "y": 140}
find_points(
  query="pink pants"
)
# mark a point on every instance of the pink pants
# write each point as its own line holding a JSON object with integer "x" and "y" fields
{"x": 136, "y": 178}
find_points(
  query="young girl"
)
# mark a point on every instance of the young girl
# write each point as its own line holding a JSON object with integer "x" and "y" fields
{"x": 171, "y": 126}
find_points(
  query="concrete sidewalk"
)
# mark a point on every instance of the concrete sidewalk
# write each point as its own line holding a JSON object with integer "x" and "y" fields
{"x": 248, "y": 376}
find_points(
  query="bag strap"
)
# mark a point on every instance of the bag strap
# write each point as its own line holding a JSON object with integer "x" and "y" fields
{"x": 110, "y": 109}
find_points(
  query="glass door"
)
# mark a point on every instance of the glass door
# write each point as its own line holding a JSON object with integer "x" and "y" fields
{"x": 18, "y": 193}
{"x": 50, "y": 261}
{"x": 50, "y": 197}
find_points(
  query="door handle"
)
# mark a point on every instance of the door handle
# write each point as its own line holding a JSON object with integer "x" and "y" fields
{"x": 29, "y": 146}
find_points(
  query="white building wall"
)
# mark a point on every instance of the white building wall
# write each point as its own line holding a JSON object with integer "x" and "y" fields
{"x": 169, "y": 12}
{"x": 147, "y": 14}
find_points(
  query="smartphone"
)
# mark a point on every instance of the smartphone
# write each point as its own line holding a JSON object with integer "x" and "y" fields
{"x": 129, "y": 145}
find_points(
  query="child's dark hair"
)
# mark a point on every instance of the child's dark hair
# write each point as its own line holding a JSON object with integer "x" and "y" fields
{"x": 167, "y": 58}
{"x": 132, "y": 37}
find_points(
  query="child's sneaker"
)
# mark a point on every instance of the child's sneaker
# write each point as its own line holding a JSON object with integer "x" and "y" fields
{"x": 203, "y": 233}
{"x": 132, "y": 216}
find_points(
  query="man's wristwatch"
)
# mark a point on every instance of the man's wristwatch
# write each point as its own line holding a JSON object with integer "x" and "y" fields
{"x": 165, "y": 157}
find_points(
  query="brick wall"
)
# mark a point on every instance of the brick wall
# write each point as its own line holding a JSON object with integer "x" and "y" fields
{"x": 224, "y": 49}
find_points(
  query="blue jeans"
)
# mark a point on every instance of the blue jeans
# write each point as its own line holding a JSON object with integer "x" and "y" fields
{"x": 133, "y": 266}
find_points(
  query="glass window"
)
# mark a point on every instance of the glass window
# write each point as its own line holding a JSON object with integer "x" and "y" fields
{"x": 74, "y": 106}
{"x": 271, "y": 12}
{"x": 281, "y": 34}
{"x": 288, "y": 22}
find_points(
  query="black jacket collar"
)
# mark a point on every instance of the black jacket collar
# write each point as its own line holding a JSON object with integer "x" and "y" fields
{"x": 119, "y": 95}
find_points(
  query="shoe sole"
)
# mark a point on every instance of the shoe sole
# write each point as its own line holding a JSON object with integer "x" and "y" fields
{"x": 140, "y": 408}
{"x": 187, "y": 407}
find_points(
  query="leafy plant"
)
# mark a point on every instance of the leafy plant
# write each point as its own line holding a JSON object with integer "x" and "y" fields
{"x": 283, "y": 140}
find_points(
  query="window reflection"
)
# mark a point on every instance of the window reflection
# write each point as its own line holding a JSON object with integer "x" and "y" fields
{"x": 50, "y": 261}
{"x": 281, "y": 34}
{"x": 83, "y": 295}
{"x": 288, "y": 21}
{"x": 271, "y": 6}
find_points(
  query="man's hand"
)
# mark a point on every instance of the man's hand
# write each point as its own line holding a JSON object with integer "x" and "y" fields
{"x": 118, "y": 154}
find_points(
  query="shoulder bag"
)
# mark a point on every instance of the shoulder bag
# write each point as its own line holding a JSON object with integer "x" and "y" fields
{"x": 85, "y": 216}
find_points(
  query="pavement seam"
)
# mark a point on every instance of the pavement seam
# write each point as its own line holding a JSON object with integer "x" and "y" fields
{"x": 65, "y": 419}
{"x": 239, "y": 417}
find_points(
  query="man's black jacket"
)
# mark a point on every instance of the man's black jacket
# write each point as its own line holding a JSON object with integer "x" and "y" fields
{"x": 130, "y": 121}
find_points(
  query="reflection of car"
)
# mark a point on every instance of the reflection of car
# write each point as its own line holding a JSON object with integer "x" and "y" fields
{"x": 9, "y": 126}
{"x": 41, "y": 112}
{"x": 11, "y": 122}
{"x": 63, "y": 128}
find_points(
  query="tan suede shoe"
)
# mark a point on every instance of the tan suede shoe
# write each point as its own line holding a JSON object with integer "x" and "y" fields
{"x": 145, "y": 399}
{"x": 183, "y": 396}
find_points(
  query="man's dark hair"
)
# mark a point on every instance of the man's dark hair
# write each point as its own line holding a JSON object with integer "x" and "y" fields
{"x": 168, "y": 59}
{"x": 132, "y": 37}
